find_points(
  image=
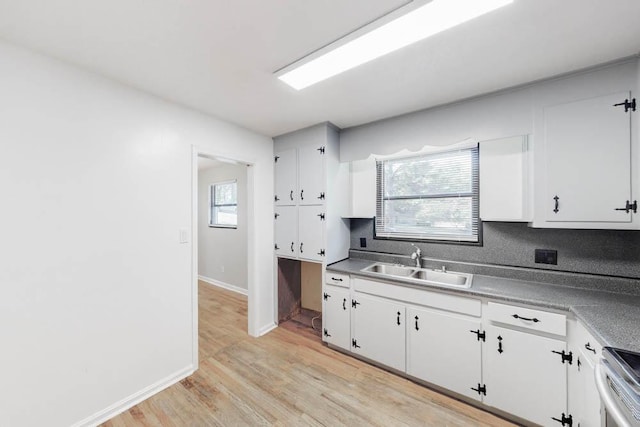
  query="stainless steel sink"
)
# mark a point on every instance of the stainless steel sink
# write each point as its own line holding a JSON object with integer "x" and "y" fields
{"x": 445, "y": 278}
{"x": 421, "y": 275}
{"x": 390, "y": 269}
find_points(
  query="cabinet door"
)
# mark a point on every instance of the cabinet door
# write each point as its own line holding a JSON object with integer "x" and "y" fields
{"x": 311, "y": 233}
{"x": 443, "y": 350}
{"x": 286, "y": 173}
{"x": 336, "y": 309}
{"x": 311, "y": 175}
{"x": 286, "y": 232}
{"x": 504, "y": 180}
{"x": 587, "y": 156}
{"x": 524, "y": 376}
{"x": 378, "y": 330}
{"x": 584, "y": 400}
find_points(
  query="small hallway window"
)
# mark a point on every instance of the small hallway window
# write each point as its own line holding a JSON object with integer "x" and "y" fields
{"x": 223, "y": 204}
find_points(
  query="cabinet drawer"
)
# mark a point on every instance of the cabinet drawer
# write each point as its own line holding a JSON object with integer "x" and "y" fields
{"x": 537, "y": 320}
{"x": 337, "y": 279}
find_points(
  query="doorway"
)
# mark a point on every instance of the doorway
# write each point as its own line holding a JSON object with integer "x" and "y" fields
{"x": 222, "y": 222}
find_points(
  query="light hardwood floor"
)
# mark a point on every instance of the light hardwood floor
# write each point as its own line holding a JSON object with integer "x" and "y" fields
{"x": 288, "y": 378}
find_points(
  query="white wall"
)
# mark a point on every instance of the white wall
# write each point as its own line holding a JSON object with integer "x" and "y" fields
{"x": 222, "y": 252}
{"x": 95, "y": 290}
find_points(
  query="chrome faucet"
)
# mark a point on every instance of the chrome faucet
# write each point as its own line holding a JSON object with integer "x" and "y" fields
{"x": 416, "y": 255}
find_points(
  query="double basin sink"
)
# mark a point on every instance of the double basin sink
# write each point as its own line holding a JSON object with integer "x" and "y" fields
{"x": 421, "y": 275}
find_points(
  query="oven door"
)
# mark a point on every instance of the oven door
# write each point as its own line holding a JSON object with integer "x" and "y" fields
{"x": 620, "y": 402}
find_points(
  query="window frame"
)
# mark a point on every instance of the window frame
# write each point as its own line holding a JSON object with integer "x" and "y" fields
{"x": 474, "y": 194}
{"x": 213, "y": 205}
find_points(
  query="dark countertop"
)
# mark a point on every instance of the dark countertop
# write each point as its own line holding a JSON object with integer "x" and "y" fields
{"x": 614, "y": 318}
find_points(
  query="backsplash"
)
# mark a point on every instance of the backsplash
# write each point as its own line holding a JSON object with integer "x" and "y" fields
{"x": 601, "y": 252}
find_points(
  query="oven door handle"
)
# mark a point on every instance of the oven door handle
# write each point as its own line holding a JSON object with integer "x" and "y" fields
{"x": 605, "y": 394}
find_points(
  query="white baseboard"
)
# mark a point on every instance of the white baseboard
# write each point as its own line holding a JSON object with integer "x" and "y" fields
{"x": 223, "y": 285}
{"x": 266, "y": 329}
{"x": 131, "y": 401}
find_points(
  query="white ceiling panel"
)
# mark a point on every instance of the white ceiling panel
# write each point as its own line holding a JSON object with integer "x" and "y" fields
{"x": 219, "y": 56}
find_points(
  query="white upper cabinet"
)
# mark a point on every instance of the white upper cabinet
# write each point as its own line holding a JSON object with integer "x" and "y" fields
{"x": 286, "y": 231}
{"x": 311, "y": 235}
{"x": 586, "y": 169}
{"x": 362, "y": 180}
{"x": 310, "y": 178}
{"x": 286, "y": 189}
{"x": 311, "y": 175}
{"x": 504, "y": 180}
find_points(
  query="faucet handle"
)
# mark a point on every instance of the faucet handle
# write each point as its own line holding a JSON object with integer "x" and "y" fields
{"x": 418, "y": 251}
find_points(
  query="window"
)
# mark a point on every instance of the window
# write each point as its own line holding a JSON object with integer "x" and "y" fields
{"x": 429, "y": 197}
{"x": 223, "y": 204}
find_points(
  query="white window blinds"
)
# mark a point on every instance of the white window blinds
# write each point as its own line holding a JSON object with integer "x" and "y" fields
{"x": 223, "y": 204}
{"x": 429, "y": 197}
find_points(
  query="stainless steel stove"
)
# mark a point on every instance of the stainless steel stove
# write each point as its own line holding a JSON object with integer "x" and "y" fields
{"x": 618, "y": 381}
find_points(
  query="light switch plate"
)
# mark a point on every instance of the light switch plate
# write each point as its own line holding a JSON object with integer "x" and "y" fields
{"x": 184, "y": 235}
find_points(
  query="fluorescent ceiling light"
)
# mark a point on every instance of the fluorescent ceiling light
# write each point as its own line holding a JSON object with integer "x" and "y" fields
{"x": 375, "y": 40}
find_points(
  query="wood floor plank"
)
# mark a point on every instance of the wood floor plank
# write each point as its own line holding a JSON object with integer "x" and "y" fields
{"x": 288, "y": 377}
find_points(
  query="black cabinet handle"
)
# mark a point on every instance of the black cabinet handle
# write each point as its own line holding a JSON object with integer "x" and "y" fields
{"x": 321, "y": 196}
{"x": 565, "y": 420}
{"x": 301, "y": 194}
{"x": 556, "y": 209}
{"x": 398, "y": 320}
{"x": 354, "y": 303}
{"x": 588, "y": 347}
{"x": 344, "y": 303}
{"x": 500, "y": 349}
{"x": 336, "y": 279}
{"x": 629, "y": 207}
{"x": 417, "y": 328}
{"x": 527, "y": 319}
{"x": 291, "y": 195}
{"x": 301, "y": 247}
{"x": 292, "y": 247}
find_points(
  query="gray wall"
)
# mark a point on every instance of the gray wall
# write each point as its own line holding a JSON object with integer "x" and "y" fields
{"x": 608, "y": 252}
{"x": 511, "y": 112}
{"x": 222, "y": 252}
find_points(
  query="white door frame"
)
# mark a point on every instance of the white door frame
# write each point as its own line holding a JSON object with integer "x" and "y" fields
{"x": 252, "y": 328}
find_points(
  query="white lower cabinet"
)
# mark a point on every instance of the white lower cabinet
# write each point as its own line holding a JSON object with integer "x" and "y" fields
{"x": 536, "y": 365}
{"x": 445, "y": 349}
{"x": 524, "y": 375}
{"x": 378, "y": 330}
{"x": 336, "y": 306}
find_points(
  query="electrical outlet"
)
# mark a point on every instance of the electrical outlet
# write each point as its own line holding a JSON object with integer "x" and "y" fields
{"x": 546, "y": 256}
{"x": 363, "y": 242}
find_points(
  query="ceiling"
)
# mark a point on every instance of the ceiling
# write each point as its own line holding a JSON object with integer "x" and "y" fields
{"x": 219, "y": 56}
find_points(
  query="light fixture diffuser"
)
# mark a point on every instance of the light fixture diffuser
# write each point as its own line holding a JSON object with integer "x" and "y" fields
{"x": 376, "y": 39}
